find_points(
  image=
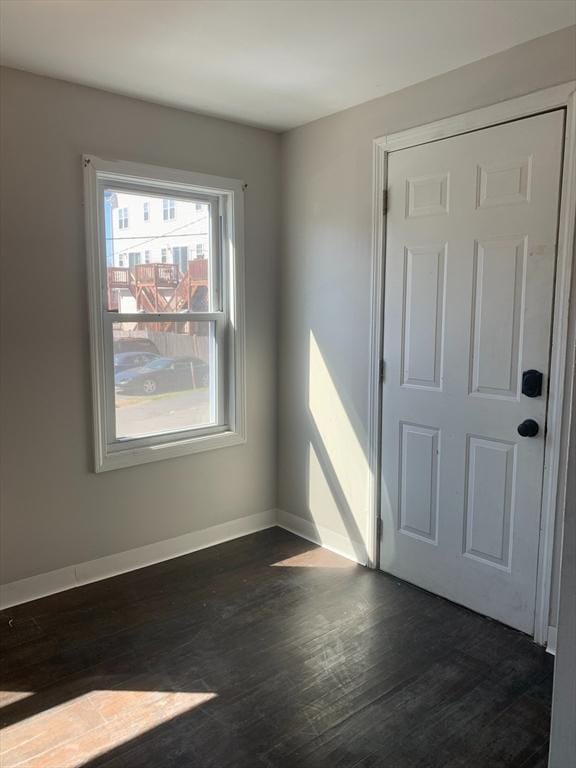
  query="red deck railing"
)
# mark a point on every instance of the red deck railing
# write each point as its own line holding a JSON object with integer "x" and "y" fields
{"x": 162, "y": 275}
{"x": 158, "y": 287}
{"x": 118, "y": 277}
{"x": 198, "y": 270}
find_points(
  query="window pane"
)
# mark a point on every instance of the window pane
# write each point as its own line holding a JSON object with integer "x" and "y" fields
{"x": 163, "y": 375}
{"x": 176, "y": 238}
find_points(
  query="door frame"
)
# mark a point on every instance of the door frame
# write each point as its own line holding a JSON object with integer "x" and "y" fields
{"x": 562, "y": 359}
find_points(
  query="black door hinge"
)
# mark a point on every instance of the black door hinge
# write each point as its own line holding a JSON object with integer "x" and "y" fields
{"x": 381, "y": 372}
{"x": 385, "y": 202}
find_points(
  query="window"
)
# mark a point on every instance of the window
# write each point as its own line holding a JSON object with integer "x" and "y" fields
{"x": 146, "y": 211}
{"x": 180, "y": 257}
{"x": 188, "y": 396}
{"x": 198, "y": 206}
{"x": 199, "y": 250}
{"x": 122, "y": 218}
{"x": 168, "y": 209}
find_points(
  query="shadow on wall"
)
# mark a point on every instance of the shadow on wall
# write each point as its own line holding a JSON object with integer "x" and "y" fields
{"x": 338, "y": 471}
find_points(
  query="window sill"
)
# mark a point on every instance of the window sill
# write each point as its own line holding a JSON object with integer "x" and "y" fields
{"x": 131, "y": 457}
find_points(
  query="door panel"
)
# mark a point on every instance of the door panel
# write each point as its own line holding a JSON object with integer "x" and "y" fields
{"x": 470, "y": 258}
{"x": 499, "y": 271}
{"x": 423, "y": 310}
{"x": 490, "y": 466}
{"x": 419, "y": 480}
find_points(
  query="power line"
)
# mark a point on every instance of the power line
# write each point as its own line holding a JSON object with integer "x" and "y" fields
{"x": 158, "y": 237}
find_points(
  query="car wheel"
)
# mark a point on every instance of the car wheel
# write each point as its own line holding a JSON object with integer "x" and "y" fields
{"x": 149, "y": 386}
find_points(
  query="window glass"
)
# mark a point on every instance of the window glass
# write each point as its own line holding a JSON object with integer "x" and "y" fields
{"x": 166, "y": 311}
{"x": 123, "y": 218}
{"x": 171, "y": 390}
{"x": 168, "y": 209}
{"x": 150, "y": 266}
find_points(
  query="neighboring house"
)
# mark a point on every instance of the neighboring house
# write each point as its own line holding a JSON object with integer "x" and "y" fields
{"x": 155, "y": 230}
{"x": 143, "y": 229}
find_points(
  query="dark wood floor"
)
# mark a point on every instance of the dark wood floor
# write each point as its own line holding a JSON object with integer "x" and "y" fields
{"x": 267, "y": 651}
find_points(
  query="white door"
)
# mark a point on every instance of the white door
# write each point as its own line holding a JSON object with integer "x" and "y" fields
{"x": 470, "y": 259}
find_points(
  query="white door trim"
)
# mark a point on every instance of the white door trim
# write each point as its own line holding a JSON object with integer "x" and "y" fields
{"x": 562, "y": 355}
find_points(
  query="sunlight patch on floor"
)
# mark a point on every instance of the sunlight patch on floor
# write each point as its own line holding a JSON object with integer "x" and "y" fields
{"x": 90, "y": 726}
{"x": 315, "y": 558}
{"x": 11, "y": 697}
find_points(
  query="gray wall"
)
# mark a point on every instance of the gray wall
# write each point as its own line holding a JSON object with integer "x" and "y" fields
{"x": 55, "y": 510}
{"x": 325, "y": 270}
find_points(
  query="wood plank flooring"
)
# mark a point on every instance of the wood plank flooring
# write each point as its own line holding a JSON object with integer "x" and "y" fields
{"x": 266, "y": 651}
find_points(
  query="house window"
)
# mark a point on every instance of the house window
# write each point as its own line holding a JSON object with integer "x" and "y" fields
{"x": 189, "y": 396}
{"x": 147, "y": 257}
{"x": 122, "y": 259}
{"x": 146, "y": 211}
{"x": 199, "y": 250}
{"x": 198, "y": 206}
{"x": 180, "y": 257}
{"x": 168, "y": 209}
{"x": 122, "y": 218}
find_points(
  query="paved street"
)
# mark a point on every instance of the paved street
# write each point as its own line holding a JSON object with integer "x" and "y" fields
{"x": 169, "y": 411}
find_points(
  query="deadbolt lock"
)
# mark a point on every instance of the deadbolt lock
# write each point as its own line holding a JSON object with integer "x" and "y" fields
{"x": 532, "y": 383}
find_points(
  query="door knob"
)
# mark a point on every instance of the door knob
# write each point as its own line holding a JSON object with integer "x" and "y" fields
{"x": 528, "y": 428}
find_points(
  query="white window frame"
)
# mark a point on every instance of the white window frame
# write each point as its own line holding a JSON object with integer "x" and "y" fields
{"x": 228, "y": 315}
{"x": 168, "y": 209}
{"x": 146, "y": 212}
{"x": 123, "y": 220}
{"x": 177, "y": 254}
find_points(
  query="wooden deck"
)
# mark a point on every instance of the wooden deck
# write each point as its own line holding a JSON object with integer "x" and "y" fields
{"x": 158, "y": 287}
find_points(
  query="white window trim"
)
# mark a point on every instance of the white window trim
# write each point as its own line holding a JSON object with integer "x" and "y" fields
{"x": 168, "y": 209}
{"x": 107, "y": 456}
{"x": 123, "y": 221}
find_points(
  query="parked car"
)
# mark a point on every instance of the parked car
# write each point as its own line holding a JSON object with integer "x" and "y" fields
{"x": 165, "y": 374}
{"x": 135, "y": 344}
{"x": 127, "y": 360}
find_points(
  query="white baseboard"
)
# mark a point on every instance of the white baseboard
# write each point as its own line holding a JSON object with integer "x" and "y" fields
{"x": 328, "y": 539}
{"x": 551, "y": 641}
{"x": 44, "y": 584}
{"x": 71, "y": 576}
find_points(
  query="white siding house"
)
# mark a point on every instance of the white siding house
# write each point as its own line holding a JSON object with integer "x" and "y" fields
{"x": 155, "y": 230}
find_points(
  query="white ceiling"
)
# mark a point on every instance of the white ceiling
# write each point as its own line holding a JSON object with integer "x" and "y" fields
{"x": 273, "y": 63}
